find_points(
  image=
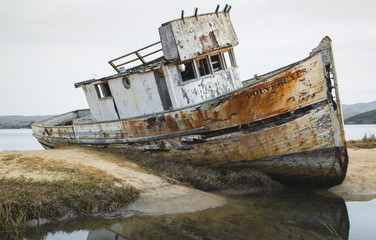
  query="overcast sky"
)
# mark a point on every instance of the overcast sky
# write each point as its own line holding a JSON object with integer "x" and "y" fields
{"x": 46, "y": 46}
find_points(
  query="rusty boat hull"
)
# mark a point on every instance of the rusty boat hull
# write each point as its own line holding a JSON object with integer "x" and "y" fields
{"x": 286, "y": 123}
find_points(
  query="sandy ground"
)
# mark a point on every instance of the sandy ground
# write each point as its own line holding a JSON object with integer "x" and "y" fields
{"x": 157, "y": 196}
{"x": 360, "y": 181}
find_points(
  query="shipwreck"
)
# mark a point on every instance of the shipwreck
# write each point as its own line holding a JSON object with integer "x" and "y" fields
{"x": 182, "y": 99}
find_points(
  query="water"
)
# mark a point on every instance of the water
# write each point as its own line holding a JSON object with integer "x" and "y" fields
{"x": 357, "y": 132}
{"x": 18, "y": 139}
{"x": 289, "y": 214}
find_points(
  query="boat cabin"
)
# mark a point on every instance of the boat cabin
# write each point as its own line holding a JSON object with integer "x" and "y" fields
{"x": 193, "y": 62}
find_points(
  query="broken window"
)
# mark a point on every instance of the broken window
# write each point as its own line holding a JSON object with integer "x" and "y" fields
{"x": 103, "y": 90}
{"x": 203, "y": 66}
{"x": 187, "y": 71}
{"x": 207, "y": 65}
{"x": 216, "y": 62}
{"x": 229, "y": 59}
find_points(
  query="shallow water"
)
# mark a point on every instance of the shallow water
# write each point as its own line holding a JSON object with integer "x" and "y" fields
{"x": 357, "y": 132}
{"x": 288, "y": 214}
{"x": 18, "y": 139}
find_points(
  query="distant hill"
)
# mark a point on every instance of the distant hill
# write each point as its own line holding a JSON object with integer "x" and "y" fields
{"x": 350, "y": 110}
{"x": 363, "y": 118}
{"x": 19, "y": 121}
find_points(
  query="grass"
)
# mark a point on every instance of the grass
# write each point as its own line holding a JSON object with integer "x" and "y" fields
{"x": 82, "y": 191}
{"x": 201, "y": 177}
{"x": 367, "y": 142}
{"x": 331, "y": 230}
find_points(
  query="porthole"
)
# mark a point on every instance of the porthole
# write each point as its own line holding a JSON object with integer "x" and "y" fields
{"x": 126, "y": 82}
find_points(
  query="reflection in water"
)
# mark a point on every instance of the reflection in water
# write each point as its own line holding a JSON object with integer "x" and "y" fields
{"x": 286, "y": 215}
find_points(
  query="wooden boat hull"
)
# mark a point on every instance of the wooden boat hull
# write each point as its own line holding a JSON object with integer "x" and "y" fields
{"x": 287, "y": 123}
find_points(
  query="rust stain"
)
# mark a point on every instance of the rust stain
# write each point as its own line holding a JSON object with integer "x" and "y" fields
{"x": 171, "y": 123}
{"x": 209, "y": 43}
{"x": 278, "y": 95}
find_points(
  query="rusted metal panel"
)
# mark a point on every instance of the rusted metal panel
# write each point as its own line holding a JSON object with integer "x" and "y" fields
{"x": 312, "y": 130}
{"x": 193, "y": 37}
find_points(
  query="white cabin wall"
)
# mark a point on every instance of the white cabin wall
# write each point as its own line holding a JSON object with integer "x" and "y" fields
{"x": 141, "y": 98}
{"x": 202, "y": 89}
{"x": 182, "y": 40}
{"x": 101, "y": 109}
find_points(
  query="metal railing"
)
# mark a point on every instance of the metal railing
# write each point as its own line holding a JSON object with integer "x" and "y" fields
{"x": 139, "y": 57}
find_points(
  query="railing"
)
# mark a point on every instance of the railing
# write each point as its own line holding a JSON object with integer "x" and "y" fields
{"x": 139, "y": 57}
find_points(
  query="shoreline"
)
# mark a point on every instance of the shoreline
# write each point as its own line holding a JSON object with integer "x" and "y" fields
{"x": 156, "y": 195}
{"x": 359, "y": 184}
{"x": 161, "y": 194}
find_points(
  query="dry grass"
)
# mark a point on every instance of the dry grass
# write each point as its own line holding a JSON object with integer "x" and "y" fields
{"x": 367, "y": 142}
{"x": 201, "y": 177}
{"x": 81, "y": 191}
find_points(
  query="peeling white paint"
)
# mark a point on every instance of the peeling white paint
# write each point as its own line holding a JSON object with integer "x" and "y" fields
{"x": 199, "y": 90}
{"x": 101, "y": 109}
{"x": 182, "y": 40}
{"x": 141, "y": 98}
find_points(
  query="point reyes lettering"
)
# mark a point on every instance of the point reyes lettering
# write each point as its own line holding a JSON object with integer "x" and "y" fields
{"x": 277, "y": 83}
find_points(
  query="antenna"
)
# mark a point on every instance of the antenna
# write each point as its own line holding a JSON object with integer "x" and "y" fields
{"x": 224, "y": 9}
{"x": 228, "y": 9}
{"x": 182, "y": 16}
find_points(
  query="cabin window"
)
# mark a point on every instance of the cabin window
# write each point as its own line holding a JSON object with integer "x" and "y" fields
{"x": 187, "y": 71}
{"x": 103, "y": 90}
{"x": 229, "y": 59}
{"x": 203, "y": 66}
{"x": 216, "y": 62}
{"x": 207, "y": 65}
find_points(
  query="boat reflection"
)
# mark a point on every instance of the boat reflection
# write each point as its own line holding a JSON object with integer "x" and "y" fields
{"x": 289, "y": 214}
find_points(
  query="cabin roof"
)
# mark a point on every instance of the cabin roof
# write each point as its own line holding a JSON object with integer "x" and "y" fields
{"x": 209, "y": 42}
{"x": 155, "y": 64}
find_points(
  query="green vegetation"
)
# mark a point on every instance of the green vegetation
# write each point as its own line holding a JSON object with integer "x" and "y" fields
{"x": 77, "y": 192}
{"x": 363, "y": 118}
{"x": 366, "y": 142}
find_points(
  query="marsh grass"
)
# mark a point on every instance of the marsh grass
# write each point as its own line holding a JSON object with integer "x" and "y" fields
{"x": 331, "y": 230}
{"x": 367, "y": 142}
{"x": 82, "y": 191}
{"x": 201, "y": 177}
{"x": 11, "y": 220}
